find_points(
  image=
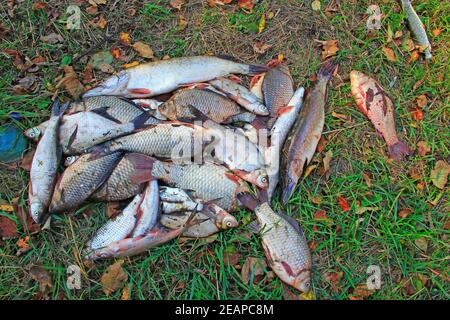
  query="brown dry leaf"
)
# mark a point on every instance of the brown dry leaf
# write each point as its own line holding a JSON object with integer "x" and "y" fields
{"x": 344, "y": 204}
{"x": 421, "y": 243}
{"x": 131, "y": 64}
{"x": 308, "y": 170}
{"x": 88, "y": 74}
{"x": 52, "y": 38}
{"x": 96, "y": 3}
{"x": 404, "y": 213}
{"x": 321, "y": 216}
{"x": 125, "y": 38}
{"x": 115, "y": 52}
{"x": 114, "y": 278}
{"x": 112, "y": 209}
{"x": 322, "y": 144}
{"x": 253, "y": 267}
{"x": 436, "y": 32}
{"x": 28, "y": 224}
{"x": 231, "y": 258}
{"x": 24, "y": 245}
{"x": 8, "y": 228}
{"x": 246, "y": 5}
{"x": 439, "y": 175}
{"x": 38, "y": 5}
{"x": 422, "y": 101}
{"x": 176, "y": 4}
{"x": 415, "y": 55}
{"x": 91, "y": 10}
{"x": 424, "y": 148}
{"x": 315, "y": 5}
{"x": 143, "y": 49}
{"x": 43, "y": 277}
{"x": 126, "y": 293}
{"x": 326, "y": 160}
{"x": 340, "y": 116}
{"x": 182, "y": 22}
{"x": 334, "y": 278}
{"x": 213, "y": 3}
{"x": 389, "y": 53}
{"x": 418, "y": 84}
{"x": 409, "y": 45}
{"x": 71, "y": 83}
{"x": 329, "y": 48}
{"x": 417, "y": 114}
{"x": 361, "y": 292}
{"x": 101, "y": 23}
{"x": 367, "y": 179}
{"x": 261, "y": 47}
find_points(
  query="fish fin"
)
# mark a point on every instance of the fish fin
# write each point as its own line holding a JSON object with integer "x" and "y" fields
{"x": 233, "y": 177}
{"x": 234, "y": 78}
{"x": 291, "y": 221}
{"x": 143, "y": 166}
{"x": 257, "y": 69}
{"x": 254, "y": 227}
{"x": 103, "y": 112}
{"x": 399, "y": 150}
{"x": 139, "y": 91}
{"x": 140, "y": 120}
{"x": 57, "y": 109}
{"x": 190, "y": 221}
{"x": 227, "y": 57}
{"x": 72, "y": 137}
{"x": 287, "y": 268}
{"x": 248, "y": 200}
{"x": 284, "y": 110}
{"x": 327, "y": 70}
{"x": 134, "y": 103}
{"x": 263, "y": 196}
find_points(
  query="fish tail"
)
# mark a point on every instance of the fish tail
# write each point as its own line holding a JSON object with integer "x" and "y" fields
{"x": 57, "y": 109}
{"x": 399, "y": 150}
{"x": 248, "y": 200}
{"x": 143, "y": 166}
{"x": 254, "y": 69}
{"x": 326, "y": 71}
{"x": 140, "y": 120}
{"x": 288, "y": 190}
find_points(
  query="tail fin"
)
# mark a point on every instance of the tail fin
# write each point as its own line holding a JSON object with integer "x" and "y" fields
{"x": 57, "y": 110}
{"x": 140, "y": 120}
{"x": 399, "y": 150}
{"x": 327, "y": 70}
{"x": 103, "y": 111}
{"x": 248, "y": 200}
{"x": 254, "y": 69}
{"x": 143, "y": 166}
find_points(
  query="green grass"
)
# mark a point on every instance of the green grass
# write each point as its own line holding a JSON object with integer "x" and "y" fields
{"x": 347, "y": 242}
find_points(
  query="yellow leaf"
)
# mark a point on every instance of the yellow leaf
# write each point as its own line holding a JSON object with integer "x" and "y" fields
{"x": 114, "y": 278}
{"x": 315, "y": 5}
{"x": 422, "y": 101}
{"x": 308, "y": 170}
{"x": 143, "y": 49}
{"x": 125, "y": 38}
{"x": 262, "y": 23}
{"x": 7, "y": 207}
{"x": 131, "y": 64}
{"x": 390, "y": 54}
{"x": 439, "y": 175}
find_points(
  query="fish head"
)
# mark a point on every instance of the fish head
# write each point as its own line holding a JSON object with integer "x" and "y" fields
{"x": 115, "y": 85}
{"x": 33, "y": 133}
{"x": 359, "y": 86}
{"x": 229, "y": 222}
{"x": 37, "y": 211}
{"x": 70, "y": 160}
{"x": 259, "y": 108}
{"x": 168, "y": 109}
{"x": 303, "y": 281}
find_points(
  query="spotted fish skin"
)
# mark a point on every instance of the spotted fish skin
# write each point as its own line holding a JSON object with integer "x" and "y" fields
{"x": 81, "y": 179}
{"x": 373, "y": 101}
{"x": 418, "y": 28}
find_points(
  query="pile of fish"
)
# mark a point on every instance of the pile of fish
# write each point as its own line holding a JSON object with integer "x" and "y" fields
{"x": 186, "y": 144}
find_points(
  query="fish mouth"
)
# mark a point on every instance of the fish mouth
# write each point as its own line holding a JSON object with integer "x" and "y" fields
{"x": 303, "y": 281}
{"x": 114, "y": 85}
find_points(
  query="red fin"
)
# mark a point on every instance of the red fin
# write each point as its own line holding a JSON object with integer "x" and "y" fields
{"x": 139, "y": 91}
{"x": 233, "y": 177}
{"x": 284, "y": 110}
{"x": 235, "y": 78}
{"x": 273, "y": 63}
{"x": 143, "y": 166}
{"x": 288, "y": 269}
{"x": 254, "y": 80}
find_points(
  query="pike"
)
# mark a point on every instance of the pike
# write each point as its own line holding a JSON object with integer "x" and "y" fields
{"x": 373, "y": 101}
{"x": 44, "y": 166}
{"x": 151, "y": 79}
{"x": 301, "y": 143}
{"x": 284, "y": 243}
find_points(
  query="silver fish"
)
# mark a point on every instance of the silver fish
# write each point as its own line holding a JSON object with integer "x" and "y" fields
{"x": 163, "y": 76}
{"x": 418, "y": 28}
{"x": 148, "y": 212}
{"x": 44, "y": 166}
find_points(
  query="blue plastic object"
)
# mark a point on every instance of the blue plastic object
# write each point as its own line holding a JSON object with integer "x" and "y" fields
{"x": 12, "y": 143}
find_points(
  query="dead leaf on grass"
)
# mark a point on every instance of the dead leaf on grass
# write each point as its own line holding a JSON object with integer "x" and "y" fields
{"x": 424, "y": 148}
{"x": 8, "y": 228}
{"x": 329, "y": 48}
{"x": 361, "y": 292}
{"x": 246, "y": 5}
{"x": 114, "y": 278}
{"x": 52, "y": 38}
{"x": 143, "y": 49}
{"x": 253, "y": 267}
{"x": 439, "y": 175}
{"x": 176, "y": 4}
{"x": 125, "y": 38}
{"x": 42, "y": 276}
{"x": 24, "y": 245}
{"x": 389, "y": 53}
{"x": 262, "y": 23}
{"x": 315, "y": 5}
{"x": 343, "y": 204}
{"x": 260, "y": 47}
{"x": 71, "y": 83}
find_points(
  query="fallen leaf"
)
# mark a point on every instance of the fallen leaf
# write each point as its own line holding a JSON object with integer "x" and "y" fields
{"x": 329, "y": 48}
{"x": 24, "y": 245}
{"x": 326, "y": 160}
{"x": 8, "y": 228}
{"x": 97, "y": 2}
{"x": 344, "y": 204}
{"x": 404, "y": 213}
{"x": 99, "y": 59}
{"x": 315, "y": 5}
{"x": 213, "y": 3}
{"x": 143, "y": 49}
{"x": 88, "y": 74}
{"x": 418, "y": 84}
{"x": 361, "y": 292}
{"x": 360, "y": 210}
{"x": 125, "y": 38}
{"x": 367, "y": 180}
{"x": 422, "y": 101}
{"x": 231, "y": 258}
{"x": 424, "y": 148}
{"x": 253, "y": 267}
{"x": 28, "y": 225}
{"x": 114, "y": 278}
{"x": 415, "y": 55}
{"x": 321, "y": 215}
{"x": 417, "y": 114}
{"x": 176, "y": 4}
{"x": 333, "y": 278}
{"x": 52, "y": 38}
{"x": 246, "y": 5}
{"x": 42, "y": 276}
{"x": 101, "y": 23}
{"x": 112, "y": 209}
{"x": 409, "y": 45}
{"x": 131, "y": 64}
{"x": 322, "y": 144}
{"x": 308, "y": 170}
{"x": 389, "y": 53}
{"x": 182, "y": 22}
{"x": 125, "y": 293}
{"x": 91, "y": 10}
{"x": 439, "y": 175}
{"x": 71, "y": 83}
{"x": 262, "y": 23}
{"x": 25, "y": 85}
{"x": 18, "y": 62}
{"x": 261, "y": 47}
{"x": 421, "y": 243}
{"x": 38, "y": 5}
{"x": 115, "y": 52}
{"x": 436, "y": 32}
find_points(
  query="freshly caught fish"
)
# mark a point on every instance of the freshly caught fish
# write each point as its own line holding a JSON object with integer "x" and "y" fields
{"x": 241, "y": 95}
{"x": 277, "y": 88}
{"x": 44, "y": 166}
{"x": 119, "y": 227}
{"x": 151, "y": 79}
{"x": 132, "y": 246}
{"x": 301, "y": 144}
{"x": 373, "y": 101}
{"x": 187, "y": 104}
{"x": 209, "y": 182}
{"x": 81, "y": 179}
{"x": 279, "y": 132}
{"x": 148, "y": 212}
{"x": 284, "y": 243}
{"x": 120, "y": 185}
{"x": 418, "y": 28}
